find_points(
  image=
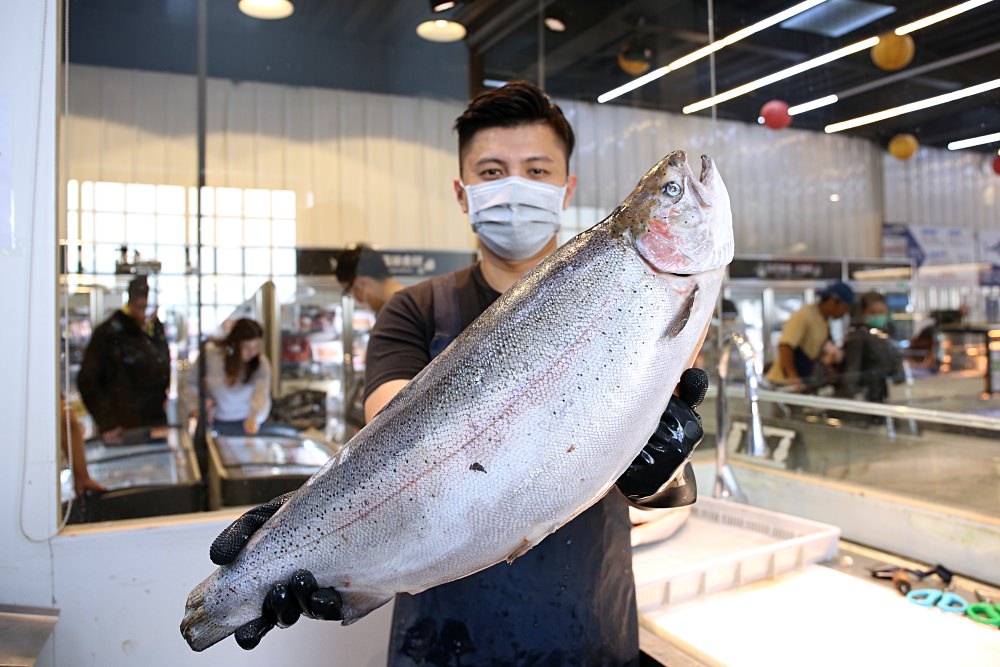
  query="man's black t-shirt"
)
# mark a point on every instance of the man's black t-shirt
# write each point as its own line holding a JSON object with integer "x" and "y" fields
{"x": 399, "y": 345}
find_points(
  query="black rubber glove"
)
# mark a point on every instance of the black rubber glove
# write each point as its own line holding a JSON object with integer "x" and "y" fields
{"x": 284, "y": 603}
{"x": 661, "y": 475}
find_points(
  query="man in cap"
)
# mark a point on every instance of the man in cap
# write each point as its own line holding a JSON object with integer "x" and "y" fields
{"x": 125, "y": 374}
{"x": 805, "y": 337}
{"x": 362, "y": 272}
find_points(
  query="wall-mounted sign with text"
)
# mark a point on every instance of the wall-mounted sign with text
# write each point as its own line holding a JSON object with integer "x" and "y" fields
{"x": 413, "y": 264}
{"x": 785, "y": 269}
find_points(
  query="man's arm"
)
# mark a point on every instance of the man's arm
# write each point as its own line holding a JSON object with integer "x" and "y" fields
{"x": 93, "y": 376}
{"x": 397, "y": 347}
{"x": 381, "y": 395}
{"x": 786, "y": 357}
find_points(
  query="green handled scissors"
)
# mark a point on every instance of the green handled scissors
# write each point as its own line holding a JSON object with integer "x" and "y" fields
{"x": 984, "y": 612}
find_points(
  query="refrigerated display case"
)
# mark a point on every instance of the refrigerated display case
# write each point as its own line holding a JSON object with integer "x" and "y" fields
{"x": 322, "y": 360}
{"x": 249, "y": 470}
{"x": 154, "y": 471}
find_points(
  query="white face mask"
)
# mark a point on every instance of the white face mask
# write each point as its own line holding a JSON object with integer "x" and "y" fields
{"x": 515, "y": 217}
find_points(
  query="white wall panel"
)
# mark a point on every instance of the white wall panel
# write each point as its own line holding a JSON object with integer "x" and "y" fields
{"x": 779, "y": 182}
{"x": 364, "y": 167}
{"x": 379, "y": 168}
{"x": 941, "y": 187}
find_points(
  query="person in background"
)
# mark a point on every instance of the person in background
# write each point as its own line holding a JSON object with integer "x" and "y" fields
{"x": 571, "y": 598}
{"x": 237, "y": 381}
{"x": 804, "y": 349}
{"x": 362, "y": 272}
{"x": 125, "y": 374}
{"x": 71, "y": 444}
{"x": 871, "y": 359}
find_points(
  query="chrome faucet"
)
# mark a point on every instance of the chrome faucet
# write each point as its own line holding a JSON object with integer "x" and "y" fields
{"x": 725, "y": 481}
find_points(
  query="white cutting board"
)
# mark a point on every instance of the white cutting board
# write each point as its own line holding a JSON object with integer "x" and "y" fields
{"x": 821, "y": 617}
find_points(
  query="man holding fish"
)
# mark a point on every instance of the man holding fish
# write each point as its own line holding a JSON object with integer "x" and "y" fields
{"x": 570, "y": 599}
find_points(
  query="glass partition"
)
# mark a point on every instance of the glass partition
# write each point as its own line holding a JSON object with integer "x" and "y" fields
{"x": 213, "y": 171}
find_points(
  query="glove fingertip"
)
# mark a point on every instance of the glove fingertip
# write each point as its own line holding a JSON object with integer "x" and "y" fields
{"x": 228, "y": 544}
{"x": 327, "y": 605}
{"x": 249, "y": 634}
{"x": 693, "y": 386}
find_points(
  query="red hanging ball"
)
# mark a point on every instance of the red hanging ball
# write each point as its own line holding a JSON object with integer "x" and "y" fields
{"x": 996, "y": 165}
{"x": 775, "y": 114}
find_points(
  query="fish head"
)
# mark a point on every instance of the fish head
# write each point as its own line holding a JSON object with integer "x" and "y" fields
{"x": 680, "y": 222}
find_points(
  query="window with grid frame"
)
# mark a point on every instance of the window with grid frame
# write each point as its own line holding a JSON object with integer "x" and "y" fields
{"x": 247, "y": 237}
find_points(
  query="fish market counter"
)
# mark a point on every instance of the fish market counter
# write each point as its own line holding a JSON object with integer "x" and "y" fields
{"x": 710, "y": 596}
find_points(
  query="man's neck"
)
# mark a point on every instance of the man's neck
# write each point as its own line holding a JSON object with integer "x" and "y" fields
{"x": 138, "y": 316}
{"x": 501, "y": 273}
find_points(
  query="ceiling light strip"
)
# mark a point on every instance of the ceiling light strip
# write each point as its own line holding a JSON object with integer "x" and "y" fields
{"x": 912, "y": 106}
{"x": 783, "y": 74}
{"x": 892, "y": 78}
{"x": 809, "y": 106}
{"x": 708, "y": 50}
{"x": 940, "y": 16}
{"x": 743, "y": 34}
{"x": 633, "y": 84}
{"x": 974, "y": 141}
{"x": 834, "y": 55}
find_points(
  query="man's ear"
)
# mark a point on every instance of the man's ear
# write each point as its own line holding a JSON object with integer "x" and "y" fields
{"x": 463, "y": 202}
{"x": 570, "y": 189}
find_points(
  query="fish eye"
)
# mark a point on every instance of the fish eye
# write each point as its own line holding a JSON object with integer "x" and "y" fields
{"x": 672, "y": 189}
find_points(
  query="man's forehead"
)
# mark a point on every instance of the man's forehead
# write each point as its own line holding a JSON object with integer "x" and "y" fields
{"x": 486, "y": 158}
{"x": 530, "y": 141}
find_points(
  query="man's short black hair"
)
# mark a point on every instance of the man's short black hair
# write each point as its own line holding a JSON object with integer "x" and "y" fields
{"x": 517, "y": 103}
{"x": 360, "y": 260}
{"x": 138, "y": 287}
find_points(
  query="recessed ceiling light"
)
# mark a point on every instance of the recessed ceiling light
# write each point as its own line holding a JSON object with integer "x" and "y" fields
{"x": 440, "y": 30}
{"x": 442, "y": 6}
{"x": 267, "y": 9}
{"x": 554, "y": 24}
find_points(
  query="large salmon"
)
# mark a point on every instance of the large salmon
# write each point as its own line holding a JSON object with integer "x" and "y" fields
{"x": 522, "y": 423}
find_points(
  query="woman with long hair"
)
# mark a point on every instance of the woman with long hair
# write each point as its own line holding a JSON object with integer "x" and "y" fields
{"x": 237, "y": 381}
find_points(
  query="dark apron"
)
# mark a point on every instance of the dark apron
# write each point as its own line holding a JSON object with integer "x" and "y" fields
{"x": 568, "y": 601}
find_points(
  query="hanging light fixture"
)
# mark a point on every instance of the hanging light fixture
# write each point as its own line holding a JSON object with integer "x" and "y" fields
{"x": 267, "y": 9}
{"x": 439, "y": 30}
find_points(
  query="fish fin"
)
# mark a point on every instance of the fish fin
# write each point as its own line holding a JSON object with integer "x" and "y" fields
{"x": 540, "y": 532}
{"x": 523, "y": 548}
{"x": 683, "y": 315}
{"x": 358, "y": 604}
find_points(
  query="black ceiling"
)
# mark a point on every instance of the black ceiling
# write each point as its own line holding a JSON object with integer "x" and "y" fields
{"x": 372, "y": 45}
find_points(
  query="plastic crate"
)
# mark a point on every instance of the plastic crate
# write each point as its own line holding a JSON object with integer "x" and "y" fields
{"x": 725, "y": 545}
